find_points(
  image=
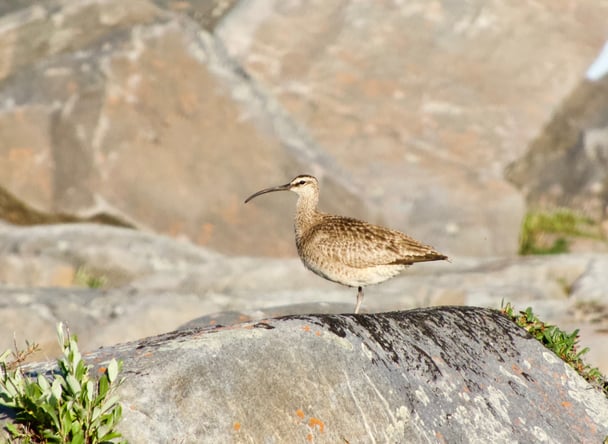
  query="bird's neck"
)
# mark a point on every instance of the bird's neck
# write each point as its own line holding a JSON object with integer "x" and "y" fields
{"x": 306, "y": 214}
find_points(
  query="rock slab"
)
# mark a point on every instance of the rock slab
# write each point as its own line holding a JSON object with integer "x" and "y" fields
{"x": 167, "y": 114}
{"x": 444, "y": 374}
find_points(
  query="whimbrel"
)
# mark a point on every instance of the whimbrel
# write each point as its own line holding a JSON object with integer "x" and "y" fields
{"x": 346, "y": 250}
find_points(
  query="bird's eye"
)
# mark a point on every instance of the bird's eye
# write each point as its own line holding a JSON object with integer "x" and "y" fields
{"x": 302, "y": 182}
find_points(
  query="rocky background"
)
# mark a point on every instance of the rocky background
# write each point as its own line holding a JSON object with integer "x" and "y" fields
{"x": 444, "y": 120}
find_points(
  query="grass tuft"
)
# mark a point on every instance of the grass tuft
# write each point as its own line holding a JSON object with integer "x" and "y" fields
{"x": 551, "y": 232}
{"x": 86, "y": 278}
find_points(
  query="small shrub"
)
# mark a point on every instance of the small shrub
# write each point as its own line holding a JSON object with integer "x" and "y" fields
{"x": 565, "y": 345}
{"x": 70, "y": 407}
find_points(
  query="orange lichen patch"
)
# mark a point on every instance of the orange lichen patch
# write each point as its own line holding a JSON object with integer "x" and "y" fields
{"x": 566, "y": 404}
{"x": 148, "y": 355}
{"x": 205, "y": 233}
{"x": 243, "y": 318}
{"x": 159, "y": 64}
{"x": 175, "y": 228}
{"x": 236, "y": 426}
{"x": 306, "y": 328}
{"x": 347, "y": 78}
{"x": 309, "y": 437}
{"x": 20, "y": 154}
{"x": 300, "y": 413}
{"x": 71, "y": 87}
{"x": 212, "y": 322}
{"x": 312, "y": 422}
{"x": 179, "y": 6}
{"x": 102, "y": 370}
{"x": 114, "y": 100}
{"x": 318, "y": 333}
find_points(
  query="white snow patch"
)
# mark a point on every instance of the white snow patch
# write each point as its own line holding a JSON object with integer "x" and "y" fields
{"x": 599, "y": 67}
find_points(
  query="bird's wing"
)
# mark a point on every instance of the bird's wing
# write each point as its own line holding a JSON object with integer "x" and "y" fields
{"x": 358, "y": 244}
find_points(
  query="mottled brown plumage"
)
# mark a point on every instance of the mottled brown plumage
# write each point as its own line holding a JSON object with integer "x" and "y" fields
{"x": 346, "y": 250}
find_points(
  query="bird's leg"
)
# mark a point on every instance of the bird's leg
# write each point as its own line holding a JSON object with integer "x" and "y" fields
{"x": 359, "y": 300}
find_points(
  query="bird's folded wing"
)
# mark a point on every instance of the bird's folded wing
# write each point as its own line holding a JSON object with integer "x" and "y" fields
{"x": 358, "y": 244}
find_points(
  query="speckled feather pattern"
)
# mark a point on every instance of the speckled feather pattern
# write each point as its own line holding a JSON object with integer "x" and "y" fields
{"x": 355, "y": 253}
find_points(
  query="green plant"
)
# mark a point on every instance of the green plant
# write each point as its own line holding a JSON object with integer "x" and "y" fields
{"x": 86, "y": 278}
{"x": 565, "y": 345}
{"x": 550, "y": 232}
{"x": 69, "y": 407}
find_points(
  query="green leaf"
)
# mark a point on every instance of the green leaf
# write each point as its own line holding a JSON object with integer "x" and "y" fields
{"x": 77, "y": 436}
{"x": 51, "y": 413}
{"x": 582, "y": 352}
{"x": 81, "y": 369}
{"x": 73, "y": 384}
{"x": 112, "y": 370}
{"x": 108, "y": 436}
{"x": 103, "y": 385}
{"x": 90, "y": 389}
{"x": 12, "y": 429}
{"x": 60, "y": 335}
{"x": 4, "y": 356}
{"x": 43, "y": 383}
{"x": 109, "y": 403}
{"x": 56, "y": 389}
{"x": 96, "y": 413}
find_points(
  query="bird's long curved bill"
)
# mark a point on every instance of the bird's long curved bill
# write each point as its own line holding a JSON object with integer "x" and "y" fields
{"x": 268, "y": 190}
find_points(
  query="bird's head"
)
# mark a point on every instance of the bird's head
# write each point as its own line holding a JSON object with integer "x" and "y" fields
{"x": 303, "y": 185}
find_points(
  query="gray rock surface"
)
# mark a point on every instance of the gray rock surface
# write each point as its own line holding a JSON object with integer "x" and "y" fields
{"x": 451, "y": 374}
{"x": 165, "y": 114}
{"x": 153, "y": 284}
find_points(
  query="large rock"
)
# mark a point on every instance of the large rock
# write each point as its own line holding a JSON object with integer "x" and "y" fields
{"x": 424, "y": 103}
{"x": 167, "y": 114}
{"x": 440, "y": 374}
{"x": 567, "y": 164}
{"x": 145, "y": 119}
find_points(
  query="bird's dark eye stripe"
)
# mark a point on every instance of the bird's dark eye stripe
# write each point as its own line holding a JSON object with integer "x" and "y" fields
{"x": 302, "y": 182}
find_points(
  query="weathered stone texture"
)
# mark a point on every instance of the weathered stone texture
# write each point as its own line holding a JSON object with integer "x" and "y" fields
{"x": 437, "y": 374}
{"x": 166, "y": 114}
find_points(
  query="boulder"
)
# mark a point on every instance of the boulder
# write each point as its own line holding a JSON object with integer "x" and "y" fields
{"x": 165, "y": 115}
{"x": 447, "y": 374}
{"x": 424, "y": 103}
{"x": 145, "y": 122}
{"x": 567, "y": 164}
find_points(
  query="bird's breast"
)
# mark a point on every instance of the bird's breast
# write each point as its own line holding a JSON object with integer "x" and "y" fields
{"x": 324, "y": 262}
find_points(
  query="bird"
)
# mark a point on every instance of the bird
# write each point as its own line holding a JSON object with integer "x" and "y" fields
{"x": 345, "y": 250}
